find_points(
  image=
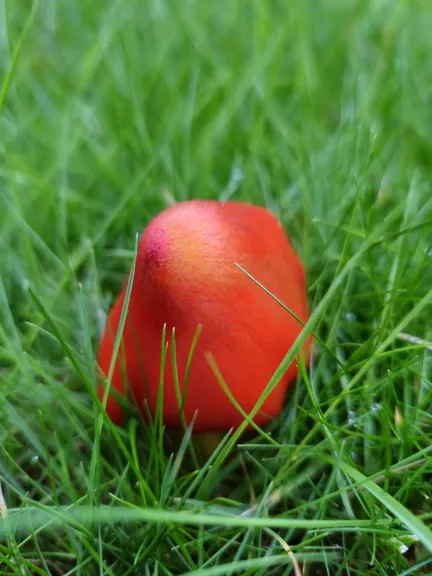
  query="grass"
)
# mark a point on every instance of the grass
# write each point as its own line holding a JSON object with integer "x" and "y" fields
{"x": 319, "y": 110}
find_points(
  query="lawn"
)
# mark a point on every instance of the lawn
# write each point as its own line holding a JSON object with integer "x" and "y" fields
{"x": 320, "y": 110}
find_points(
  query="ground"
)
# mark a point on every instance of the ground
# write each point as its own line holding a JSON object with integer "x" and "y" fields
{"x": 319, "y": 110}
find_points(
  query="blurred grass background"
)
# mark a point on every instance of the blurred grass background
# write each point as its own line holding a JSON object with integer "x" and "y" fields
{"x": 319, "y": 110}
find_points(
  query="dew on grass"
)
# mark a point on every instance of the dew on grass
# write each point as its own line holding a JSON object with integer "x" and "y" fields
{"x": 349, "y": 316}
{"x": 351, "y": 417}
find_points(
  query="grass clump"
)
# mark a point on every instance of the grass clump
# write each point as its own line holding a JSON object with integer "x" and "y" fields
{"x": 319, "y": 111}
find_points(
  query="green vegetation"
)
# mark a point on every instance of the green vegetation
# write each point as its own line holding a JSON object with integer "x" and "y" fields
{"x": 320, "y": 110}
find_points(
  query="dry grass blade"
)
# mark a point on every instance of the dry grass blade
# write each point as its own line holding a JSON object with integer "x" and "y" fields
{"x": 3, "y": 507}
{"x": 415, "y": 340}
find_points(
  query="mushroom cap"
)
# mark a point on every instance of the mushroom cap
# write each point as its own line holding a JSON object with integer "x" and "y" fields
{"x": 186, "y": 276}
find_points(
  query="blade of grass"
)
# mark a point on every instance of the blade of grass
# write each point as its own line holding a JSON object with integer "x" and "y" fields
{"x": 401, "y": 512}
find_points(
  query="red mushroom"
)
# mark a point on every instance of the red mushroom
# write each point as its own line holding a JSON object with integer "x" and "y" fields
{"x": 185, "y": 277}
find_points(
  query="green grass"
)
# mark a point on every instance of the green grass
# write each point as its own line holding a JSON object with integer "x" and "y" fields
{"x": 321, "y": 111}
